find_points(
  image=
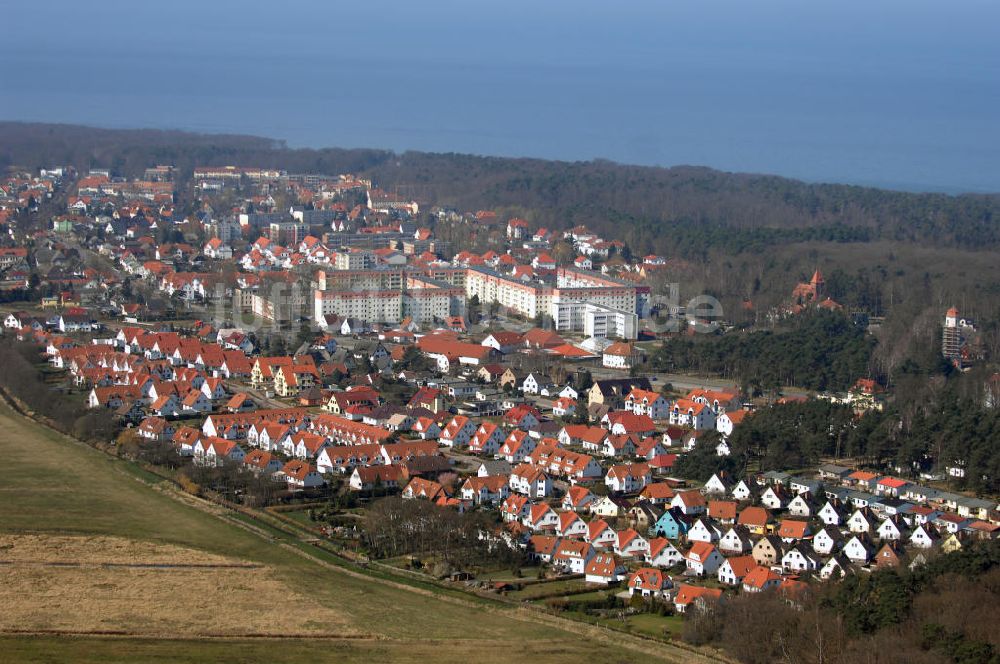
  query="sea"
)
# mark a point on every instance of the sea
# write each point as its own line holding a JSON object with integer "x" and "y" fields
{"x": 903, "y": 94}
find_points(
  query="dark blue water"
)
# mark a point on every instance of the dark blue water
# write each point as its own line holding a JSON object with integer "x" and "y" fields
{"x": 895, "y": 93}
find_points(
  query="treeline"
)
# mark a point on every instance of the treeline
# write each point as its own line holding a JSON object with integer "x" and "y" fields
{"x": 21, "y": 378}
{"x": 945, "y": 610}
{"x": 396, "y": 527}
{"x": 818, "y": 350}
{"x": 660, "y": 209}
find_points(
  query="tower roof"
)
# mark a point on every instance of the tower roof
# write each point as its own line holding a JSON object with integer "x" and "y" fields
{"x": 952, "y": 313}
{"x": 817, "y": 278}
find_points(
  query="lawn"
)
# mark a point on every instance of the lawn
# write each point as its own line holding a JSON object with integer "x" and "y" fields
{"x": 654, "y": 624}
{"x": 547, "y": 588}
{"x": 54, "y": 486}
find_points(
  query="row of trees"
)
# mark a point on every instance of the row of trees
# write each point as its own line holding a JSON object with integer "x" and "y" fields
{"x": 395, "y": 527}
{"x": 21, "y": 377}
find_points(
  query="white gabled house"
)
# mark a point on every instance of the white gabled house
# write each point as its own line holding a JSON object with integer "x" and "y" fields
{"x": 858, "y": 550}
{"x": 646, "y": 402}
{"x": 662, "y": 553}
{"x": 826, "y": 540}
{"x": 531, "y": 481}
{"x": 830, "y": 515}
{"x": 716, "y": 485}
{"x": 630, "y": 544}
{"x": 703, "y": 559}
{"x": 704, "y": 530}
{"x": 835, "y": 567}
{"x": 742, "y": 491}
{"x": 735, "y": 540}
{"x": 733, "y": 570}
{"x": 861, "y": 521}
{"x": 924, "y": 537}
{"x": 541, "y": 517}
{"x": 799, "y": 506}
{"x": 800, "y": 559}
{"x": 891, "y": 529}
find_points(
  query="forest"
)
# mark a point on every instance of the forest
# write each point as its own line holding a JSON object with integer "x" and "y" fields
{"x": 817, "y": 350}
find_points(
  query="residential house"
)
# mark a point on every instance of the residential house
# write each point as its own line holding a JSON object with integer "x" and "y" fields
{"x": 733, "y": 570}
{"x": 695, "y": 596}
{"x": 605, "y": 569}
{"x": 649, "y": 582}
{"x": 703, "y": 559}
{"x": 630, "y": 544}
{"x": 573, "y": 556}
{"x": 759, "y": 579}
{"x": 628, "y": 478}
{"x": 662, "y": 553}
{"x": 532, "y": 481}
{"x": 767, "y": 551}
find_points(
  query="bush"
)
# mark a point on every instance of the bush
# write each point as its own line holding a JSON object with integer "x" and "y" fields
{"x": 188, "y": 485}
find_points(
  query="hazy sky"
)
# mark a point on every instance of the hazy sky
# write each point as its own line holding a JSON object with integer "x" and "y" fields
{"x": 893, "y": 93}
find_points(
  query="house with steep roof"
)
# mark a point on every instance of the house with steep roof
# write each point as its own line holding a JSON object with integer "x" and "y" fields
{"x": 630, "y": 544}
{"x": 799, "y": 558}
{"x": 645, "y": 402}
{"x": 490, "y": 490}
{"x": 600, "y": 534}
{"x": 734, "y": 570}
{"x": 368, "y": 478}
{"x": 690, "y": 503}
{"x": 662, "y": 553}
{"x": 532, "y": 481}
{"x": 571, "y": 525}
{"x": 620, "y": 355}
{"x": 735, "y": 540}
{"x": 604, "y": 569}
{"x": 671, "y": 524}
{"x": 628, "y": 478}
{"x": 767, "y": 550}
{"x": 703, "y": 559}
{"x": 578, "y": 498}
{"x": 649, "y": 582}
{"x": 657, "y": 493}
{"x": 760, "y": 579}
{"x": 696, "y": 596}
{"x": 573, "y": 556}
{"x": 541, "y": 516}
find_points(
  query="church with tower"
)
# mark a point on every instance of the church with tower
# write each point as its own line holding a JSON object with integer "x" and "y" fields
{"x": 812, "y": 293}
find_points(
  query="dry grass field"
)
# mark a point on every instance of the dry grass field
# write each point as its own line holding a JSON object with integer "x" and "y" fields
{"x": 63, "y": 502}
{"x": 94, "y": 584}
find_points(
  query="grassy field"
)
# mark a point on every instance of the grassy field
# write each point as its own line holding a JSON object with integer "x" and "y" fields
{"x": 655, "y": 625}
{"x": 87, "y": 650}
{"x": 549, "y": 588}
{"x": 57, "y": 488}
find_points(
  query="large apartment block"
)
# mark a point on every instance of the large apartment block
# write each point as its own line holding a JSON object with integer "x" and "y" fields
{"x": 385, "y": 296}
{"x": 577, "y": 301}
